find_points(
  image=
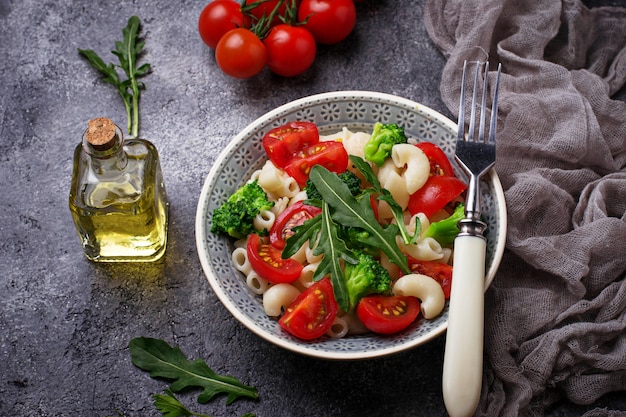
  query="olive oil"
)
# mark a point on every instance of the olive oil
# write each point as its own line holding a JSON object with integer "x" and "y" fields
{"x": 117, "y": 197}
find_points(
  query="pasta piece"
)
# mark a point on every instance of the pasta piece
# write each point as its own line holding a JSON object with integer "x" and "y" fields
{"x": 257, "y": 284}
{"x": 264, "y": 220}
{"x": 240, "y": 260}
{"x": 338, "y": 329}
{"x": 414, "y": 165}
{"x": 427, "y": 249}
{"x": 426, "y": 289}
{"x": 278, "y": 297}
{"x": 355, "y": 143}
{"x": 277, "y": 182}
{"x": 306, "y": 277}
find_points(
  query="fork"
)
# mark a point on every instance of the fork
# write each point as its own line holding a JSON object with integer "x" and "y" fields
{"x": 463, "y": 358}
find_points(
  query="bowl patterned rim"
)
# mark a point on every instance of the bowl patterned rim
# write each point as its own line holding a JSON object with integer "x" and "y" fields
{"x": 331, "y": 112}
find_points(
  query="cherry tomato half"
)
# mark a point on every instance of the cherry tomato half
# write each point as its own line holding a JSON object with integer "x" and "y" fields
{"x": 290, "y": 50}
{"x": 240, "y": 53}
{"x": 331, "y": 155}
{"x": 217, "y": 18}
{"x": 435, "y": 194}
{"x": 439, "y": 162}
{"x": 312, "y": 313}
{"x": 440, "y": 272}
{"x": 386, "y": 314}
{"x": 293, "y": 216}
{"x": 266, "y": 261}
{"x": 330, "y": 21}
{"x": 283, "y": 142}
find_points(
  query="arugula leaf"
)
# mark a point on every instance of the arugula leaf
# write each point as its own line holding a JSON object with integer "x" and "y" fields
{"x": 163, "y": 361}
{"x": 348, "y": 211}
{"x": 127, "y": 52}
{"x": 385, "y": 195}
{"x": 170, "y": 406}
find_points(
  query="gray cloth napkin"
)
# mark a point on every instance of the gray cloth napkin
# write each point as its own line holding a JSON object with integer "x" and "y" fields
{"x": 555, "y": 322}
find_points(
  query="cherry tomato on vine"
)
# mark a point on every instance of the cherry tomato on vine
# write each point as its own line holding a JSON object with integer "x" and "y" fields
{"x": 330, "y": 21}
{"x": 283, "y": 142}
{"x": 293, "y": 216}
{"x": 290, "y": 50}
{"x": 266, "y": 261}
{"x": 240, "y": 53}
{"x": 260, "y": 8}
{"x": 435, "y": 194}
{"x": 385, "y": 314}
{"x": 331, "y": 155}
{"x": 217, "y": 18}
{"x": 312, "y": 313}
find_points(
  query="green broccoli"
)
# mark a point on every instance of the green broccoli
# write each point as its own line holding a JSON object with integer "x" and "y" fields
{"x": 367, "y": 277}
{"x": 444, "y": 231}
{"x": 236, "y": 216}
{"x": 348, "y": 177}
{"x": 384, "y": 136}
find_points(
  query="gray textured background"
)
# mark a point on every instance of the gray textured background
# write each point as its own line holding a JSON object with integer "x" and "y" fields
{"x": 65, "y": 323}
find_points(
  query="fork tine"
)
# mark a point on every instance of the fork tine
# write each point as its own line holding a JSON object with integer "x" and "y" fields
{"x": 494, "y": 108}
{"x": 483, "y": 107}
{"x": 472, "y": 125}
{"x": 461, "y": 119}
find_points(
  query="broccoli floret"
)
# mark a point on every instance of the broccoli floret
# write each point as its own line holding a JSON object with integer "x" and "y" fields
{"x": 367, "y": 277}
{"x": 445, "y": 231}
{"x": 236, "y": 216}
{"x": 384, "y": 136}
{"x": 348, "y": 177}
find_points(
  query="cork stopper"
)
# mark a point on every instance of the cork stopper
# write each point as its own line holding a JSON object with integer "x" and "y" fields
{"x": 101, "y": 133}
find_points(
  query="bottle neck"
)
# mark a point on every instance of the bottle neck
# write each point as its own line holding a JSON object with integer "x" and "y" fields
{"x": 105, "y": 154}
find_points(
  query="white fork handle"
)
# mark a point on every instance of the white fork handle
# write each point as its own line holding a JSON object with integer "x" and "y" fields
{"x": 463, "y": 360}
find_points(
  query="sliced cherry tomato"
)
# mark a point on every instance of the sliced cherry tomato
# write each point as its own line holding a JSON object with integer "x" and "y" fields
{"x": 290, "y": 50}
{"x": 435, "y": 194}
{"x": 293, "y": 216}
{"x": 330, "y": 21}
{"x": 217, "y": 18}
{"x": 283, "y": 142}
{"x": 240, "y": 53}
{"x": 263, "y": 8}
{"x": 266, "y": 261}
{"x": 331, "y": 155}
{"x": 312, "y": 313}
{"x": 440, "y": 272}
{"x": 439, "y": 162}
{"x": 386, "y": 314}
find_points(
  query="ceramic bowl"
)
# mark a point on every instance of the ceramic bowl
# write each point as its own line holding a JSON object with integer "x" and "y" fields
{"x": 358, "y": 111}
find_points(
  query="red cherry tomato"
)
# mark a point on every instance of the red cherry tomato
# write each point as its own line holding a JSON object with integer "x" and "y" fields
{"x": 266, "y": 261}
{"x": 283, "y": 142}
{"x": 217, "y": 18}
{"x": 312, "y": 313}
{"x": 293, "y": 216}
{"x": 290, "y": 50}
{"x": 261, "y": 8}
{"x": 330, "y": 21}
{"x": 435, "y": 194}
{"x": 440, "y": 272}
{"x": 439, "y": 162}
{"x": 240, "y": 53}
{"x": 386, "y": 314}
{"x": 331, "y": 155}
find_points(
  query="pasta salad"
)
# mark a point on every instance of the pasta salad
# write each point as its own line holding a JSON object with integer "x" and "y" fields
{"x": 346, "y": 233}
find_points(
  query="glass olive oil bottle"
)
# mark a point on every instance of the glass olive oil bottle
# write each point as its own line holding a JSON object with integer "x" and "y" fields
{"x": 117, "y": 197}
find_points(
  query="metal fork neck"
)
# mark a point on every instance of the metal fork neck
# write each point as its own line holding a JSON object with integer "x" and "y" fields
{"x": 471, "y": 224}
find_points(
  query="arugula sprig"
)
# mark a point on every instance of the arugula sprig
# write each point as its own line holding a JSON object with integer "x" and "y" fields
{"x": 170, "y": 406}
{"x": 385, "y": 195}
{"x": 127, "y": 52}
{"x": 163, "y": 361}
{"x": 339, "y": 207}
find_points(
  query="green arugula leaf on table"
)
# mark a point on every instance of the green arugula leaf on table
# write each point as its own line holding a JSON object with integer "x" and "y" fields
{"x": 127, "y": 52}
{"x": 163, "y": 361}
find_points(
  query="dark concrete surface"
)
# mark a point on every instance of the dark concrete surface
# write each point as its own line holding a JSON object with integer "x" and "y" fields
{"x": 65, "y": 323}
